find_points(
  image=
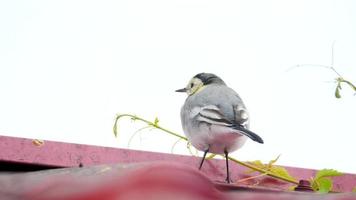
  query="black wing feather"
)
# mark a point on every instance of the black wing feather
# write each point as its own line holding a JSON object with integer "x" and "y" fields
{"x": 213, "y": 115}
{"x": 253, "y": 136}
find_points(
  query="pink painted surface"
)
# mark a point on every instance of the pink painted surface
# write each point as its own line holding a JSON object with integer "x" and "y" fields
{"x": 148, "y": 181}
{"x": 59, "y": 154}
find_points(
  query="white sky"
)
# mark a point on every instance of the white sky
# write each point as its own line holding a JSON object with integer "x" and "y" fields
{"x": 67, "y": 67}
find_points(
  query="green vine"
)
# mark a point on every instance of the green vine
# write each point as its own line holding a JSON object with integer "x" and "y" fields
{"x": 149, "y": 123}
{"x": 322, "y": 181}
{"x": 339, "y": 79}
{"x": 269, "y": 171}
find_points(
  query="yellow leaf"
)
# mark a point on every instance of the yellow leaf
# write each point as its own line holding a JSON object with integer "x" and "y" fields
{"x": 38, "y": 142}
{"x": 271, "y": 168}
{"x": 156, "y": 122}
{"x": 281, "y": 171}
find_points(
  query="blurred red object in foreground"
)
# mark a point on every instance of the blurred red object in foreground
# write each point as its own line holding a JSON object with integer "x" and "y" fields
{"x": 157, "y": 181}
{"x": 141, "y": 181}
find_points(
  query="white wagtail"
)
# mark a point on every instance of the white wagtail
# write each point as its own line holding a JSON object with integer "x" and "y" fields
{"x": 214, "y": 118}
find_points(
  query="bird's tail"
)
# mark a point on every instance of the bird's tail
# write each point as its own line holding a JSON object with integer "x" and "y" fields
{"x": 249, "y": 134}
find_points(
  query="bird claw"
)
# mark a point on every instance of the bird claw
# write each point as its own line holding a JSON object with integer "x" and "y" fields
{"x": 228, "y": 180}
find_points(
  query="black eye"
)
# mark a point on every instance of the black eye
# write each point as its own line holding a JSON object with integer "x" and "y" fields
{"x": 191, "y": 85}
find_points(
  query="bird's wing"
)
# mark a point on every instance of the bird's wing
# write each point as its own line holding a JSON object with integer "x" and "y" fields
{"x": 241, "y": 115}
{"x": 211, "y": 114}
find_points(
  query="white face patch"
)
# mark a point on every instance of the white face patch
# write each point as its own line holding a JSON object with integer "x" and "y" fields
{"x": 194, "y": 85}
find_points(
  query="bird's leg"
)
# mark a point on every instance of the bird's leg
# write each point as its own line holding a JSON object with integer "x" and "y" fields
{"x": 202, "y": 161}
{"x": 227, "y": 167}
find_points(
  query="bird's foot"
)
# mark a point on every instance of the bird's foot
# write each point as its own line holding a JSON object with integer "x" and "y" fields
{"x": 228, "y": 180}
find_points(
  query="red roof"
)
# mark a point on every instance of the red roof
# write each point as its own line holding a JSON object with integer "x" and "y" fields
{"x": 112, "y": 173}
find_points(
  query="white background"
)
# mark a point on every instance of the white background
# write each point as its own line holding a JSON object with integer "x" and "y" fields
{"x": 67, "y": 67}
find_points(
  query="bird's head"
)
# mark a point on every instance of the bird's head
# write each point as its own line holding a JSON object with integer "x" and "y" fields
{"x": 199, "y": 81}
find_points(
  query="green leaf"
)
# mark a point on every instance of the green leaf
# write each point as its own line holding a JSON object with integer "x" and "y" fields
{"x": 156, "y": 122}
{"x": 272, "y": 162}
{"x": 338, "y": 86}
{"x": 314, "y": 184}
{"x": 115, "y": 130}
{"x": 337, "y": 91}
{"x": 327, "y": 173}
{"x": 256, "y": 163}
{"x": 354, "y": 189}
{"x": 281, "y": 171}
{"x": 325, "y": 185}
{"x": 322, "y": 182}
{"x": 271, "y": 168}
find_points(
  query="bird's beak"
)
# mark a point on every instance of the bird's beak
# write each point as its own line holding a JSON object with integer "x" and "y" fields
{"x": 182, "y": 90}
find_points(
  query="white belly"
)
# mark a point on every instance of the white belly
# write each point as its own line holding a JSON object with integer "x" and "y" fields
{"x": 217, "y": 139}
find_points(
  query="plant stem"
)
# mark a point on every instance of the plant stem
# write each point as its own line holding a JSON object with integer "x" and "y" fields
{"x": 249, "y": 178}
{"x": 263, "y": 171}
{"x": 134, "y": 117}
{"x": 155, "y": 125}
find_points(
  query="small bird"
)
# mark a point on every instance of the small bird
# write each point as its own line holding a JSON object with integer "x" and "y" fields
{"x": 214, "y": 118}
